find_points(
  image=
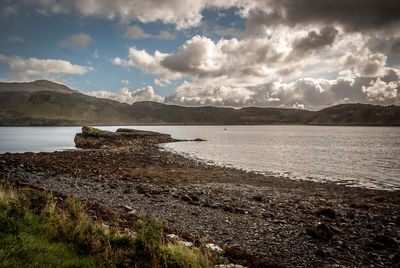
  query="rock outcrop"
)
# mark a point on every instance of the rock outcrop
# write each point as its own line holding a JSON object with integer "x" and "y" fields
{"x": 93, "y": 138}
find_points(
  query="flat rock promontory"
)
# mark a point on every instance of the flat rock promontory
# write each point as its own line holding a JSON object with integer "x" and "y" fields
{"x": 94, "y": 138}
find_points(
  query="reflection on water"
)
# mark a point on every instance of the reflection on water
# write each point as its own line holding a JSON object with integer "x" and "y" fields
{"x": 354, "y": 156}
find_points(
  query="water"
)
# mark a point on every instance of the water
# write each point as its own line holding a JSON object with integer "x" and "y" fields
{"x": 354, "y": 156}
{"x": 37, "y": 139}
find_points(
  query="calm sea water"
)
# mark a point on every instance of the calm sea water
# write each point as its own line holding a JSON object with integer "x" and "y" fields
{"x": 354, "y": 156}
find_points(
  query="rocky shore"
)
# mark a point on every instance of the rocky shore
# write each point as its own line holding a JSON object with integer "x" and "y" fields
{"x": 291, "y": 223}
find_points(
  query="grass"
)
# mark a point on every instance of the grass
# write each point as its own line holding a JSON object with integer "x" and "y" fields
{"x": 178, "y": 255}
{"x": 93, "y": 130}
{"x": 35, "y": 232}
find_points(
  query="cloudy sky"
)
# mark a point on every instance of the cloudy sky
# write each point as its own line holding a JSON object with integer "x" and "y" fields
{"x": 276, "y": 53}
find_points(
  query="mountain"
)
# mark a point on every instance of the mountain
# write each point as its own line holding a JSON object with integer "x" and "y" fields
{"x": 36, "y": 86}
{"x": 46, "y": 103}
{"x": 55, "y": 108}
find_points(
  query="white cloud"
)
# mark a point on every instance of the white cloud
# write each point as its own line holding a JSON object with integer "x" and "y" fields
{"x": 136, "y": 32}
{"x": 182, "y": 13}
{"x": 75, "y": 41}
{"x": 381, "y": 91}
{"x": 157, "y": 82}
{"x": 148, "y": 63}
{"x": 25, "y": 69}
{"x": 298, "y": 105}
{"x": 200, "y": 58}
{"x": 231, "y": 31}
{"x": 366, "y": 62}
{"x": 252, "y": 71}
{"x": 125, "y": 82}
{"x": 96, "y": 54}
{"x": 303, "y": 93}
{"x": 161, "y": 82}
{"x": 250, "y": 61}
{"x": 165, "y": 35}
{"x": 9, "y": 10}
{"x": 198, "y": 94}
{"x": 126, "y": 96}
{"x": 15, "y": 39}
{"x": 273, "y": 62}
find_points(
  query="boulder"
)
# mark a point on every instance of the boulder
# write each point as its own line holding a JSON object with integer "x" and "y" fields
{"x": 321, "y": 231}
{"x": 327, "y": 212}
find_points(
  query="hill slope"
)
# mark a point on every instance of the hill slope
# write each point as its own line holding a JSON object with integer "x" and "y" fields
{"x": 36, "y": 86}
{"x": 357, "y": 114}
{"x": 46, "y": 103}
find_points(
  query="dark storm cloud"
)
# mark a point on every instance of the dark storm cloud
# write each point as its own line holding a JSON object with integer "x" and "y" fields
{"x": 353, "y": 15}
{"x": 313, "y": 41}
{"x": 396, "y": 46}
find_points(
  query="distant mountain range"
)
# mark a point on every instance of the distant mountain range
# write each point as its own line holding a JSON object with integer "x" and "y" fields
{"x": 44, "y": 103}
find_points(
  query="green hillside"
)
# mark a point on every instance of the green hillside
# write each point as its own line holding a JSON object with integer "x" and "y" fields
{"x": 357, "y": 114}
{"x": 47, "y": 103}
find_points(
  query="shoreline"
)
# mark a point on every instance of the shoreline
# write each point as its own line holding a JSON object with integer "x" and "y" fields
{"x": 300, "y": 178}
{"x": 292, "y": 223}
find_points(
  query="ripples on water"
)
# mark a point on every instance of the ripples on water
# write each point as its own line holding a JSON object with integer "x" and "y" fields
{"x": 354, "y": 156}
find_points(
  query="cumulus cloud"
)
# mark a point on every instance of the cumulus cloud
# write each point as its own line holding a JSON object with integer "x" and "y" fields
{"x": 391, "y": 75}
{"x": 193, "y": 94}
{"x": 25, "y": 69}
{"x": 303, "y": 93}
{"x": 251, "y": 71}
{"x": 274, "y": 62}
{"x": 126, "y": 96}
{"x": 299, "y": 94}
{"x": 249, "y": 61}
{"x": 125, "y": 82}
{"x": 136, "y": 32}
{"x": 148, "y": 63}
{"x": 197, "y": 57}
{"x": 157, "y": 82}
{"x": 201, "y": 58}
{"x": 380, "y": 90}
{"x": 366, "y": 62}
{"x": 75, "y": 41}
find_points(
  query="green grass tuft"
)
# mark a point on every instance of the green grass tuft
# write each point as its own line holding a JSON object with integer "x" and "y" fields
{"x": 34, "y": 232}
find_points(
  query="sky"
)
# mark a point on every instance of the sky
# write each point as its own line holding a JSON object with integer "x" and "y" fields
{"x": 305, "y": 54}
